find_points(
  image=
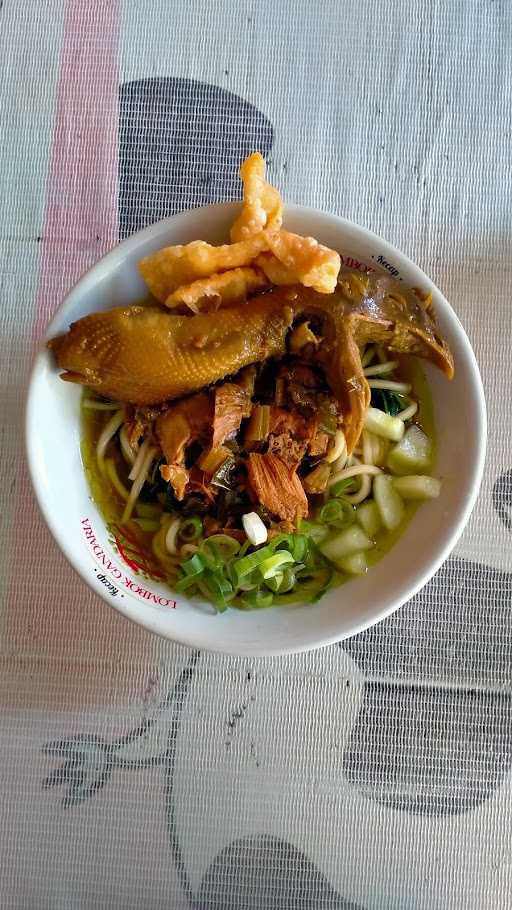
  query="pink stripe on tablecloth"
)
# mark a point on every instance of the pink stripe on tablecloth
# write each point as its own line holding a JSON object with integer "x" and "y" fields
{"x": 80, "y": 221}
{"x": 80, "y": 224}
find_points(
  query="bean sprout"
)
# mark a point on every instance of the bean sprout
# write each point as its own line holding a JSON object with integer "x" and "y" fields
{"x": 139, "y": 482}
{"x": 171, "y": 535}
{"x": 141, "y": 454}
{"x": 109, "y": 430}
{"x": 126, "y": 448}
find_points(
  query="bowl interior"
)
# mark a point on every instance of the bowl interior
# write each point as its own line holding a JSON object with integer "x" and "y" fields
{"x": 58, "y": 477}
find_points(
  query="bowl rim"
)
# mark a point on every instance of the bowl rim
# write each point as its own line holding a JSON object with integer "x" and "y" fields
{"x": 114, "y": 257}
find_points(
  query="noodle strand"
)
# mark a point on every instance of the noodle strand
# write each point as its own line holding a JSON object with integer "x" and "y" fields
{"x": 408, "y": 412}
{"x": 353, "y": 471}
{"x": 363, "y": 492}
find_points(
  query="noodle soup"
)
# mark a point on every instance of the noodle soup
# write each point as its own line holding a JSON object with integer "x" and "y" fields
{"x": 345, "y": 527}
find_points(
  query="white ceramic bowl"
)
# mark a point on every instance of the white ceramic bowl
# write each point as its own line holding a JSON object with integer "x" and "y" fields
{"x": 53, "y": 448}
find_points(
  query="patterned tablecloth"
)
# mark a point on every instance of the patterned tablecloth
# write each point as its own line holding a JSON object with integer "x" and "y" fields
{"x": 373, "y": 774}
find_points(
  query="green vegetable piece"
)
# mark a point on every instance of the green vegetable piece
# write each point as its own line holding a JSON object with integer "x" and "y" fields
{"x": 148, "y": 510}
{"x": 382, "y": 424}
{"x": 412, "y": 455}
{"x": 347, "y": 542}
{"x": 342, "y": 487}
{"x": 417, "y": 486}
{"x": 389, "y": 503}
{"x": 150, "y": 525}
{"x": 193, "y": 566}
{"x": 274, "y": 582}
{"x": 309, "y": 590}
{"x": 191, "y": 529}
{"x": 368, "y": 517}
{"x": 355, "y": 564}
{"x": 220, "y": 547}
{"x": 247, "y": 564}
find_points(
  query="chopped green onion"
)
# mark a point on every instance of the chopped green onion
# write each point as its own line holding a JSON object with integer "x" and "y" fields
{"x": 185, "y": 583}
{"x": 209, "y": 591}
{"x": 247, "y": 564}
{"x": 191, "y": 529}
{"x": 219, "y": 585}
{"x": 254, "y": 528}
{"x": 193, "y": 566}
{"x": 149, "y": 525}
{"x": 288, "y": 582}
{"x": 290, "y": 568}
{"x": 338, "y": 513}
{"x": 314, "y": 530}
{"x": 249, "y": 582}
{"x": 274, "y": 582}
{"x": 257, "y": 600}
{"x": 273, "y": 564}
{"x": 220, "y": 547}
{"x": 243, "y": 549}
{"x": 349, "y": 485}
{"x": 298, "y": 546}
{"x": 308, "y": 591}
{"x": 283, "y": 582}
{"x": 148, "y": 510}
